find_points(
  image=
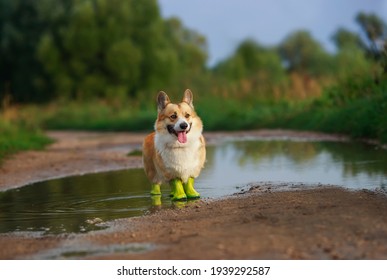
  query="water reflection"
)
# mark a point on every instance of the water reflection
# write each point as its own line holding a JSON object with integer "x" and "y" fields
{"x": 352, "y": 165}
{"x": 80, "y": 204}
{"x": 74, "y": 204}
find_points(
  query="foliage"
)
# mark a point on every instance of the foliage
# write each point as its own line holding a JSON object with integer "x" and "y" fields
{"x": 303, "y": 54}
{"x": 253, "y": 70}
{"x": 20, "y": 71}
{"x": 99, "y": 116}
{"x": 345, "y": 39}
{"x": 375, "y": 30}
{"x": 17, "y": 137}
{"x": 83, "y": 49}
{"x": 354, "y": 107}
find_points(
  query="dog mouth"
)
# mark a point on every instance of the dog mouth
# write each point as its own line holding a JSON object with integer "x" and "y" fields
{"x": 181, "y": 135}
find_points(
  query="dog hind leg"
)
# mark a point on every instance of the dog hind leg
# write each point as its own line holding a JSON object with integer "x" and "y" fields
{"x": 155, "y": 189}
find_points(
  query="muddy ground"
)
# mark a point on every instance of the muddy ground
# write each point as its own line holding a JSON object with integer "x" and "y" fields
{"x": 262, "y": 223}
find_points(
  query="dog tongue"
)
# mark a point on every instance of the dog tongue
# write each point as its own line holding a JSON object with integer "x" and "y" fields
{"x": 182, "y": 137}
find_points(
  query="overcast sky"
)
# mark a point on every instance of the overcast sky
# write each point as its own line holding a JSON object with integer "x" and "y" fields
{"x": 225, "y": 23}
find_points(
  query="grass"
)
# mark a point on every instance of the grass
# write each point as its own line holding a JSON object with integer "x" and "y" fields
{"x": 362, "y": 116}
{"x": 99, "y": 116}
{"x": 358, "y": 120}
{"x": 134, "y": 153}
{"x": 15, "y": 137}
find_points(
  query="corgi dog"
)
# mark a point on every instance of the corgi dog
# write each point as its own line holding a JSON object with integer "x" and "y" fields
{"x": 175, "y": 152}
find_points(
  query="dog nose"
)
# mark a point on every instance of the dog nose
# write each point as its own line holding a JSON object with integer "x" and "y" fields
{"x": 183, "y": 125}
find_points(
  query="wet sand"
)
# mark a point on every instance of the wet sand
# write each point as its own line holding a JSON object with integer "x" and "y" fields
{"x": 262, "y": 223}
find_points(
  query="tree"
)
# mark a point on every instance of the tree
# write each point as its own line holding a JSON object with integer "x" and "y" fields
{"x": 252, "y": 60}
{"x": 351, "y": 57}
{"x": 92, "y": 48}
{"x": 190, "y": 48}
{"x": 20, "y": 29}
{"x": 375, "y": 30}
{"x": 253, "y": 70}
{"x": 104, "y": 49}
{"x": 302, "y": 54}
{"x": 345, "y": 39}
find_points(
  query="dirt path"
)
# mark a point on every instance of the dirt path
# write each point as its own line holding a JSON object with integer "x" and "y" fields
{"x": 323, "y": 223}
{"x": 73, "y": 153}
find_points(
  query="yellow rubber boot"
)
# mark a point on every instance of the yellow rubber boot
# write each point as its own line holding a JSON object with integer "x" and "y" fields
{"x": 177, "y": 190}
{"x": 189, "y": 189}
{"x": 155, "y": 189}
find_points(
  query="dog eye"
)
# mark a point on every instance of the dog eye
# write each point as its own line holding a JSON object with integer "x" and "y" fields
{"x": 173, "y": 117}
{"x": 187, "y": 116}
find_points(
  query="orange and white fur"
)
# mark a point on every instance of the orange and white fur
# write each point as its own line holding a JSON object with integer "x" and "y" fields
{"x": 175, "y": 152}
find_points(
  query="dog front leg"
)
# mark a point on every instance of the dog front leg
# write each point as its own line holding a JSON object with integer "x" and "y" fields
{"x": 177, "y": 189}
{"x": 189, "y": 189}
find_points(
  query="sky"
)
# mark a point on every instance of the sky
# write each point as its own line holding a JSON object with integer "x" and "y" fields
{"x": 225, "y": 23}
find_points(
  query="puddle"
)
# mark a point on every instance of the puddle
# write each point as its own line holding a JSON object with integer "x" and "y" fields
{"x": 83, "y": 203}
{"x": 352, "y": 165}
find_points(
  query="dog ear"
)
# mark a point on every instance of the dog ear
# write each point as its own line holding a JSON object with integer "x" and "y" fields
{"x": 162, "y": 100}
{"x": 188, "y": 97}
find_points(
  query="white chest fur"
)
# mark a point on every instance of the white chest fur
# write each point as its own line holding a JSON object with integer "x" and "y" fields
{"x": 180, "y": 160}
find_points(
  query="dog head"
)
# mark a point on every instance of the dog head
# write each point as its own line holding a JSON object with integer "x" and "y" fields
{"x": 179, "y": 121}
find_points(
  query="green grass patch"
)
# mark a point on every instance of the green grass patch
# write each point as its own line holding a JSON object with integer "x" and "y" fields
{"x": 216, "y": 115}
{"x": 15, "y": 137}
{"x": 364, "y": 116}
{"x": 97, "y": 116}
{"x": 134, "y": 153}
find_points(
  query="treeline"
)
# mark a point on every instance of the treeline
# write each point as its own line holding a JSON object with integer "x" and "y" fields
{"x": 299, "y": 67}
{"x": 113, "y": 49}
{"x": 82, "y": 49}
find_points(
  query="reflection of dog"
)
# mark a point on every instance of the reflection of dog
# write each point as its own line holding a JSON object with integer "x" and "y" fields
{"x": 175, "y": 152}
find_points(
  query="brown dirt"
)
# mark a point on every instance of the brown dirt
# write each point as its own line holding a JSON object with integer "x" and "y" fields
{"x": 314, "y": 223}
{"x": 73, "y": 153}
